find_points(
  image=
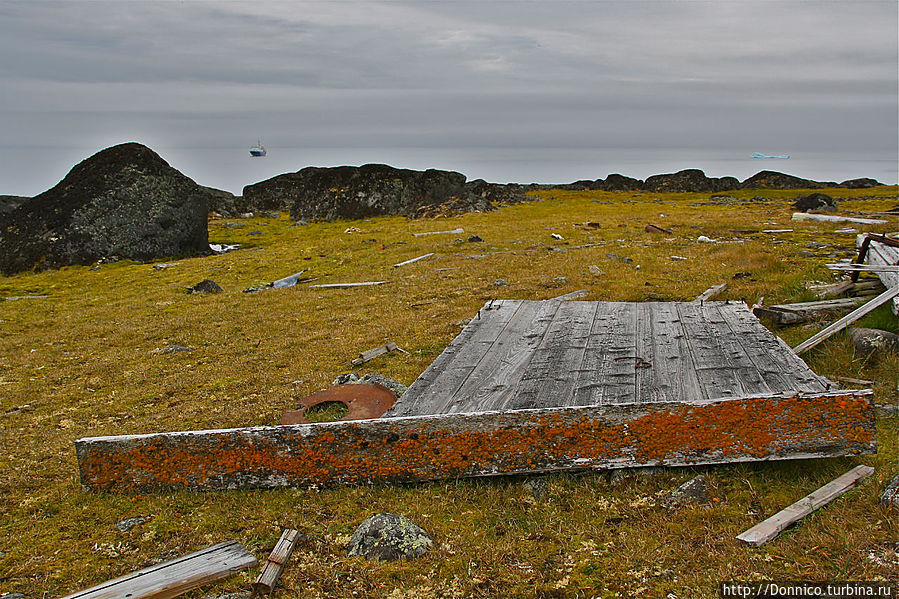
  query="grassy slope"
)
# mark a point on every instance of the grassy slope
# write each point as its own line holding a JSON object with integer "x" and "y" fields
{"x": 83, "y": 362}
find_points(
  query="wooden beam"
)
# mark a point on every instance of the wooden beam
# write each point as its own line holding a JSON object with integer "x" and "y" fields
{"x": 371, "y": 354}
{"x": 572, "y": 296}
{"x": 827, "y": 218}
{"x": 413, "y": 260}
{"x": 865, "y": 267}
{"x": 847, "y": 320}
{"x": 786, "y": 314}
{"x": 711, "y": 292}
{"x": 439, "y": 446}
{"x": 345, "y": 285}
{"x": 175, "y": 577}
{"x": 453, "y": 232}
{"x": 274, "y": 565}
{"x": 765, "y": 531}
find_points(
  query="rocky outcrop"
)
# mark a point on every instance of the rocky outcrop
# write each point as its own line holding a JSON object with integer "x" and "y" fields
{"x": 389, "y": 537}
{"x": 863, "y": 183}
{"x": 123, "y": 202}
{"x": 690, "y": 180}
{"x": 616, "y": 182}
{"x": 775, "y": 180}
{"x": 10, "y": 203}
{"x": 350, "y": 192}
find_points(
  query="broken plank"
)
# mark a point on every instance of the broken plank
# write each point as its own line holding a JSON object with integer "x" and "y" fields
{"x": 786, "y": 314}
{"x": 175, "y": 577}
{"x": 827, "y": 218}
{"x": 371, "y": 354}
{"x": 865, "y": 267}
{"x": 572, "y": 296}
{"x": 274, "y": 564}
{"x": 711, "y": 292}
{"x": 345, "y": 285}
{"x": 453, "y": 232}
{"x": 847, "y": 320}
{"x": 765, "y": 531}
{"x": 440, "y": 446}
{"x": 413, "y": 260}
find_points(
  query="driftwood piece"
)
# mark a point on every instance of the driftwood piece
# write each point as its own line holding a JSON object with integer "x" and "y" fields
{"x": 765, "y": 531}
{"x": 572, "y": 296}
{"x": 440, "y": 446}
{"x": 877, "y": 268}
{"x": 345, "y": 285}
{"x": 175, "y": 577}
{"x": 371, "y": 354}
{"x": 827, "y": 218}
{"x": 880, "y": 250}
{"x": 453, "y": 232}
{"x": 274, "y": 564}
{"x": 833, "y": 290}
{"x": 413, "y": 260}
{"x": 847, "y": 320}
{"x": 787, "y": 314}
{"x": 711, "y": 292}
{"x": 890, "y": 497}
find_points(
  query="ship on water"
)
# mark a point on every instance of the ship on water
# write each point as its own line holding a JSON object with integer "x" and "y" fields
{"x": 258, "y": 150}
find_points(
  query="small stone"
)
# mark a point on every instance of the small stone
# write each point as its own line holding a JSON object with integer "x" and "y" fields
{"x": 806, "y": 253}
{"x": 205, "y": 286}
{"x": 129, "y": 523}
{"x": 624, "y": 259}
{"x": 474, "y": 239}
{"x": 300, "y": 223}
{"x": 500, "y": 283}
{"x": 269, "y": 215}
{"x": 536, "y": 486}
{"x": 556, "y": 236}
{"x": 595, "y": 270}
{"x": 389, "y": 537}
{"x": 174, "y": 348}
{"x": 255, "y": 233}
{"x": 233, "y": 225}
{"x": 694, "y": 491}
{"x": 352, "y": 378}
{"x": 703, "y": 239}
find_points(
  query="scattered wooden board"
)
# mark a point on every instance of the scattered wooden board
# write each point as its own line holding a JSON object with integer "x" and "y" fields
{"x": 413, "y": 260}
{"x": 345, "y": 285}
{"x": 765, "y": 531}
{"x": 865, "y": 267}
{"x": 572, "y": 296}
{"x": 277, "y": 560}
{"x": 827, "y": 218}
{"x": 711, "y": 292}
{"x": 882, "y": 254}
{"x": 453, "y": 232}
{"x": 787, "y": 314}
{"x": 371, "y": 354}
{"x": 175, "y": 577}
{"x": 847, "y": 320}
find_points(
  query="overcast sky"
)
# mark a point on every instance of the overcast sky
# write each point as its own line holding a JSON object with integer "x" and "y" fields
{"x": 548, "y": 91}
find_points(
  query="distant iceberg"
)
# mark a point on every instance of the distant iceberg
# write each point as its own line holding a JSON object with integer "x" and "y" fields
{"x": 779, "y": 156}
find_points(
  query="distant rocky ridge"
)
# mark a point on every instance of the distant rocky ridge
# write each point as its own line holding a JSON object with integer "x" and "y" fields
{"x": 351, "y": 192}
{"x": 123, "y": 202}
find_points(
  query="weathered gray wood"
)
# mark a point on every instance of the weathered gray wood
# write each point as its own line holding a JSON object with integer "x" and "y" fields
{"x": 373, "y": 353}
{"x": 572, "y": 296}
{"x": 880, "y": 254}
{"x": 711, "y": 292}
{"x": 174, "y": 577}
{"x": 432, "y": 447}
{"x": 344, "y": 285}
{"x": 876, "y": 268}
{"x": 890, "y": 496}
{"x": 847, "y": 320}
{"x": 765, "y": 531}
{"x": 454, "y": 231}
{"x": 276, "y": 561}
{"x": 787, "y": 314}
{"x": 413, "y": 260}
{"x": 827, "y": 218}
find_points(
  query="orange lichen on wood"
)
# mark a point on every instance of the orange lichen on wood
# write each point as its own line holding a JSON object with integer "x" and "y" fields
{"x": 459, "y": 445}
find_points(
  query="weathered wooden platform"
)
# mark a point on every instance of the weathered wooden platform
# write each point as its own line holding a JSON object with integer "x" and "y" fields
{"x": 535, "y": 387}
{"x": 880, "y": 254}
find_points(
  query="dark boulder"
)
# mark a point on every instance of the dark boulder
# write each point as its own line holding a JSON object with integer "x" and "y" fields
{"x": 815, "y": 201}
{"x": 775, "y": 180}
{"x": 873, "y": 341}
{"x": 616, "y": 182}
{"x": 10, "y": 203}
{"x": 123, "y": 202}
{"x": 206, "y": 286}
{"x": 862, "y": 183}
{"x": 224, "y": 203}
{"x": 690, "y": 180}
{"x": 388, "y": 537}
{"x": 355, "y": 192}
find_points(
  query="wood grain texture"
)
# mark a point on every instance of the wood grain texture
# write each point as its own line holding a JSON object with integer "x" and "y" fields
{"x": 765, "y": 531}
{"x": 880, "y": 254}
{"x": 174, "y": 577}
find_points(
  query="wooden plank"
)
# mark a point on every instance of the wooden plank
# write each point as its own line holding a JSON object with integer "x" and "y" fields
{"x": 572, "y": 296}
{"x": 429, "y": 392}
{"x": 276, "y": 561}
{"x": 371, "y": 354}
{"x": 890, "y": 495}
{"x": 175, "y": 577}
{"x": 453, "y": 232}
{"x": 413, "y": 260}
{"x": 711, "y": 292}
{"x": 881, "y": 254}
{"x": 437, "y": 446}
{"x": 865, "y": 267}
{"x": 787, "y": 314}
{"x": 345, "y": 285}
{"x": 847, "y": 320}
{"x": 672, "y": 369}
{"x": 607, "y": 373}
{"x": 827, "y": 218}
{"x": 765, "y": 531}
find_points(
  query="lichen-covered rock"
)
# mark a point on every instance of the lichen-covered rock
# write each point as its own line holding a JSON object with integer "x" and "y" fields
{"x": 123, "y": 202}
{"x": 775, "y": 180}
{"x": 206, "y": 286}
{"x": 815, "y": 201}
{"x": 372, "y": 377}
{"x": 616, "y": 182}
{"x": 356, "y": 192}
{"x": 873, "y": 341}
{"x": 694, "y": 491}
{"x": 690, "y": 180}
{"x": 388, "y": 537}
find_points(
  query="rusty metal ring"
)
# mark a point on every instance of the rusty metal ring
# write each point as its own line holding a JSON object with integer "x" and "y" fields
{"x": 364, "y": 401}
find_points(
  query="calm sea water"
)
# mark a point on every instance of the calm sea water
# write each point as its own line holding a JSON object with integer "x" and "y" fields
{"x": 31, "y": 172}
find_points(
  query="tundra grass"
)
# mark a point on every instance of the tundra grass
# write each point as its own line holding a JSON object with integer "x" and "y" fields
{"x": 87, "y": 360}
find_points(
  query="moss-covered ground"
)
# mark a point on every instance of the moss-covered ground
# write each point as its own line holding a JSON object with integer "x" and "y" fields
{"x": 84, "y": 361}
